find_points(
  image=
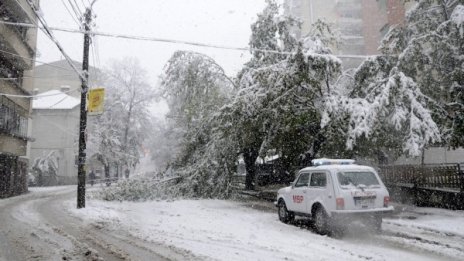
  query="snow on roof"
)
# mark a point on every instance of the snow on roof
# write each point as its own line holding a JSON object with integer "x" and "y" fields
{"x": 339, "y": 167}
{"x": 54, "y": 99}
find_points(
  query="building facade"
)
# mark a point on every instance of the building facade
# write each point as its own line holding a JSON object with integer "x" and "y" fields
{"x": 59, "y": 74}
{"x": 361, "y": 23}
{"x": 55, "y": 130}
{"x": 17, "y": 54}
{"x": 55, "y": 117}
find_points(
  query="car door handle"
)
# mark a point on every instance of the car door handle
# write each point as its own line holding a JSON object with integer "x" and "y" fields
{"x": 330, "y": 196}
{"x": 304, "y": 191}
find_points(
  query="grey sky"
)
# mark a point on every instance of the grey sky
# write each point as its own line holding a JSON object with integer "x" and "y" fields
{"x": 219, "y": 22}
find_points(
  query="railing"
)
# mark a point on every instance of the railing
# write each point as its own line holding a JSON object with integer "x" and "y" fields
{"x": 434, "y": 177}
{"x": 14, "y": 76}
{"x": 13, "y": 119}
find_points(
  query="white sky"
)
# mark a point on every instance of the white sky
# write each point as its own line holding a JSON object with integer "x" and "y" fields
{"x": 218, "y": 22}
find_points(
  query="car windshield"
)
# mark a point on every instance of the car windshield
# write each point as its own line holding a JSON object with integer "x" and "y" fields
{"x": 356, "y": 178}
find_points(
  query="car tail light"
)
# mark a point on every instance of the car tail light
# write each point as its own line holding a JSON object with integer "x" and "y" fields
{"x": 386, "y": 201}
{"x": 340, "y": 203}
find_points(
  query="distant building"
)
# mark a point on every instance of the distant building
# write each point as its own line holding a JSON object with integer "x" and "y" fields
{"x": 55, "y": 129}
{"x": 17, "y": 54}
{"x": 59, "y": 74}
{"x": 435, "y": 155}
{"x": 361, "y": 23}
{"x": 56, "y": 115}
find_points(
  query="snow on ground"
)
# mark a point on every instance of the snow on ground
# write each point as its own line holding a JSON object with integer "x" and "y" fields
{"x": 431, "y": 229}
{"x": 444, "y": 221}
{"x": 38, "y": 191}
{"x": 227, "y": 230}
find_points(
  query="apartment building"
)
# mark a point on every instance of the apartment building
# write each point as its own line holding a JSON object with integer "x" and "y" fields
{"x": 361, "y": 23}
{"x": 17, "y": 54}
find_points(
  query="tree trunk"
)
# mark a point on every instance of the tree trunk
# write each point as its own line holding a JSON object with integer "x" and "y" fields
{"x": 249, "y": 156}
{"x": 107, "y": 174}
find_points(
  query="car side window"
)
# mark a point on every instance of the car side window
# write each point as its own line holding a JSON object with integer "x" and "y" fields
{"x": 303, "y": 180}
{"x": 318, "y": 179}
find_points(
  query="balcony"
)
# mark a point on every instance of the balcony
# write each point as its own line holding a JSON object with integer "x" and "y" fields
{"x": 18, "y": 40}
{"x": 13, "y": 119}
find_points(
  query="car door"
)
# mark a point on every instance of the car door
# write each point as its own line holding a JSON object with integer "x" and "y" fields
{"x": 318, "y": 189}
{"x": 298, "y": 193}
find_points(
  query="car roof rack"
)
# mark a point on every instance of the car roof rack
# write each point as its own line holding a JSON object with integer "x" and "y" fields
{"x": 325, "y": 161}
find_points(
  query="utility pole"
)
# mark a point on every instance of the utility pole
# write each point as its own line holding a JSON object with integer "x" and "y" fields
{"x": 81, "y": 172}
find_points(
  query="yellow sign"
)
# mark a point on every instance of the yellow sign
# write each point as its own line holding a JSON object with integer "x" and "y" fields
{"x": 95, "y": 101}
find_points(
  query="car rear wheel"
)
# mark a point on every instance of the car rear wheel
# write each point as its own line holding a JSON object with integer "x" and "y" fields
{"x": 321, "y": 221}
{"x": 284, "y": 215}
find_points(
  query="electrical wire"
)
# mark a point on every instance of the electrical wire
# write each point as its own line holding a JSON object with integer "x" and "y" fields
{"x": 155, "y": 39}
{"x": 27, "y": 13}
{"x": 72, "y": 16}
{"x": 92, "y": 48}
{"x": 50, "y": 35}
{"x": 41, "y": 62}
{"x": 95, "y": 41}
{"x": 84, "y": 4}
{"x": 76, "y": 11}
{"x": 36, "y": 96}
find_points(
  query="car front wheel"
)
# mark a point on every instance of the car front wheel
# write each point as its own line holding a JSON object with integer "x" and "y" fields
{"x": 284, "y": 215}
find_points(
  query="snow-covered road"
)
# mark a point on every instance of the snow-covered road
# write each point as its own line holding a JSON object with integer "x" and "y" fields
{"x": 44, "y": 225}
{"x": 36, "y": 226}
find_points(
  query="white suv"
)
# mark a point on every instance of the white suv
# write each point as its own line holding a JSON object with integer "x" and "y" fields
{"x": 334, "y": 192}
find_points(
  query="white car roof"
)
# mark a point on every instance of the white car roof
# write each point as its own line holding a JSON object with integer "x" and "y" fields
{"x": 340, "y": 167}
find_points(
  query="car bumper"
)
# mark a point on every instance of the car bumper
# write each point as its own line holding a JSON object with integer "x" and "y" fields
{"x": 341, "y": 214}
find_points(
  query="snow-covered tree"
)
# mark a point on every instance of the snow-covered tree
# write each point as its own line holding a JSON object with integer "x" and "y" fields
{"x": 117, "y": 134}
{"x": 195, "y": 88}
{"x": 280, "y": 91}
{"x": 411, "y": 95}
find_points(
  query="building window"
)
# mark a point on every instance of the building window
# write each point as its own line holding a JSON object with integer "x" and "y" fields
{"x": 13, "y": 119}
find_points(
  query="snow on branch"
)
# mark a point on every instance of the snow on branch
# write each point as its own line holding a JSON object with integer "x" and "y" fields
{"x": 395, "y": 101}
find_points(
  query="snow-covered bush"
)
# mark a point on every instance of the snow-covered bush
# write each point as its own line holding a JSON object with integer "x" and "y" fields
{"x": 137, "y": 189}
{"x": 45, "y": 168}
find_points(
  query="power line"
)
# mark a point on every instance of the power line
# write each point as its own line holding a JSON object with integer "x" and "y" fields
{"x": 36, "y": 96}
{"x": 41, "y": 62}
{"x": 84, "y": 4}
{"x": 95, "y": 41}
{"x": 155, "y": 39}
{"x": 27, "y": 13}
{"x": 77, "y": 12}
{"x": 50, "y": 35}
{"x": 38, "y": 77}
{"x": 77, "y": 7}
{"x": 72, "y": 16}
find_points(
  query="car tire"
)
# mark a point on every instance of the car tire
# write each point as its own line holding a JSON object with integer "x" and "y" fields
{"x": 321, "y": 221}
{"x": 284, "y": 215}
